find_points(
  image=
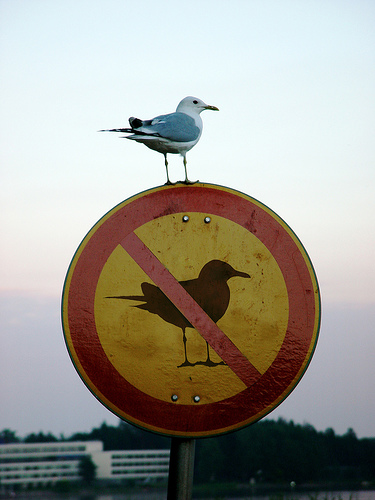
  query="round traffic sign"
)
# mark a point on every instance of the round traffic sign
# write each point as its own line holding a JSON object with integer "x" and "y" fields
{"x": 191, "y": 310}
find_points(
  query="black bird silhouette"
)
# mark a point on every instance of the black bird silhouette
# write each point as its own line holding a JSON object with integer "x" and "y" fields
{"x": 210, "y": 290}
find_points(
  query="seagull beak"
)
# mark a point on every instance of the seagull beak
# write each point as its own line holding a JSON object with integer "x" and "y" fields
{"x": 212, "y": 108}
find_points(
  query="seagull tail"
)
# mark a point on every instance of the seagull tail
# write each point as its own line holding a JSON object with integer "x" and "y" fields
{"x": 136, "y": 133}
{"x": 128, "y": 130}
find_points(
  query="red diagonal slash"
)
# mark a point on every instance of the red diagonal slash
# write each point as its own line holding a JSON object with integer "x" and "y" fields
{"x": 221, "y": 344}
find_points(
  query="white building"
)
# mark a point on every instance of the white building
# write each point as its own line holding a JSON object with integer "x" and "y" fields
{"x": 136, "y": 464}
{"x": 40, "y": 464}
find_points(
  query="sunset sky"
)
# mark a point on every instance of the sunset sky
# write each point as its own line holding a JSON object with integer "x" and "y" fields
{"x": 294, "y": 82}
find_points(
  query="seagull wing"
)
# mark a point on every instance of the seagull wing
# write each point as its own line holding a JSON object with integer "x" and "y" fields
{"x": 177, "y": 127}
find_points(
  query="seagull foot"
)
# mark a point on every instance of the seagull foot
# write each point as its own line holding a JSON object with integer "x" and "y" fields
{"x": 187, "y": 181}
{"x": 169, "y": 183}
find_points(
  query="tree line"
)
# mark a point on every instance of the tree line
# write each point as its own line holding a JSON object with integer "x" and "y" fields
{"x": 266, "y": 452}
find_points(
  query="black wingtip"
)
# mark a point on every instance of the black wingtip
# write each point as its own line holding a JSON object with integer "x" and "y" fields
{"x": 135, "y": 122}
{"x": 120, "y": 130}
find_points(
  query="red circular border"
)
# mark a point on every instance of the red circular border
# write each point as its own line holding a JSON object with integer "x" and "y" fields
{"x": 170, "y": 418}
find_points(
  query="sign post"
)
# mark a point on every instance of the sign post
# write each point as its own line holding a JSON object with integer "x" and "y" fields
{"x": 191, "y": 311}
{"x": 181, "y": 469}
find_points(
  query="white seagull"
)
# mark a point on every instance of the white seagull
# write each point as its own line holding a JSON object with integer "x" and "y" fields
{"x": 175, "y": 133}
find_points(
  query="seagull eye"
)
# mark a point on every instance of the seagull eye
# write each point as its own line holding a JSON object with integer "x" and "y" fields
{"x": 195, "y": 102}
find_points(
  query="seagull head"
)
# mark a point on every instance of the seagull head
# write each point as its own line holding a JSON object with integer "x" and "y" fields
{"x": 192, "y": 106}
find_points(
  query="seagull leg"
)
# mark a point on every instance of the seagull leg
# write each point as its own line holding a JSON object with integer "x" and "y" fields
{"x": 187, "y": 181}
{"x": 166, "y": 167}
{"x": 186, "y": 176}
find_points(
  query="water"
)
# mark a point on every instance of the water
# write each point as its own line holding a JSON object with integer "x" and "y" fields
{"x": 324, "y": 495}
{"x": 332, "y": 495}
{"x": 152, "y": 495}
{"x": 339, "y": 495}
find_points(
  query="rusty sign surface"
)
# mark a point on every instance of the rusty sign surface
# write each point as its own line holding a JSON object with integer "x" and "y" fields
{"x": 191, "y": 310}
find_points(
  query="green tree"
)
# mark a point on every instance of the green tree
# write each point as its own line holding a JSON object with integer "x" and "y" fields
{"x": 123, "y": 437}
{"x": 87, "y": 469}
{"x": 210, "y": 464}
{"x": 40, "y": 438}
{"x": 8, "y": 436}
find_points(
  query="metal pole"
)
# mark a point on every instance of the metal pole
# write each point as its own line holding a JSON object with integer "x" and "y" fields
{"x": 181, "y": 469}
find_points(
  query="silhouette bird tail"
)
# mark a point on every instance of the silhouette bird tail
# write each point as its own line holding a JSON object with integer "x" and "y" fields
{"x": 128, "y": 297}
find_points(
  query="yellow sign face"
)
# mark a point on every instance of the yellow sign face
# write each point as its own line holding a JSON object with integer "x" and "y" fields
{"x": 191, "y": 310}
{"x": 148, "y": 351}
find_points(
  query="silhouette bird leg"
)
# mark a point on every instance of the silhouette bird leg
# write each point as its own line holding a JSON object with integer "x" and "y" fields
{"x": 209, "y": 361}
{"x": 186, "y": 362}
{"x": 208, "y": 353}
{"x": 166, "y": 167}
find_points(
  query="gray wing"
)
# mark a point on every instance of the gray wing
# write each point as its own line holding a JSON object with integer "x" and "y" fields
{"x": 176, "y": 127}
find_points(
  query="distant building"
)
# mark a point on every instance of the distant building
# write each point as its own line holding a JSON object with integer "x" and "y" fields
{"x": 42, "y": 464}
{"x": 135, "y": 464}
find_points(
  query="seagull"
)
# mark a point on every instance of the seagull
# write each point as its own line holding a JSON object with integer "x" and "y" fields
{"x": 210, "y": 290}
{"x": 175, "y": 133}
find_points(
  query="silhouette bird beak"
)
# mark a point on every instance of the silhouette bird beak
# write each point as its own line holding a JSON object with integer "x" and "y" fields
{"x": 241, "y": 274}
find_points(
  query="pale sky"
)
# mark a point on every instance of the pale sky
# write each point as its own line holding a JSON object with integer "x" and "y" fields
{"x": 294, "y": 81}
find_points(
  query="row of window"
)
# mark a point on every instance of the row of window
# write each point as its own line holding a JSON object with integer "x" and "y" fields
{"x": 140, "y": 454}
{"x": 46, "y": 449}
{"x": 140, "y": 465}
{"x": 45, "y": 467}
{"x": 148, "y": 471}
{"x": 40, "y": 458}
{"x": 38, "y": 476}
{"x": 125, "y": 463}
